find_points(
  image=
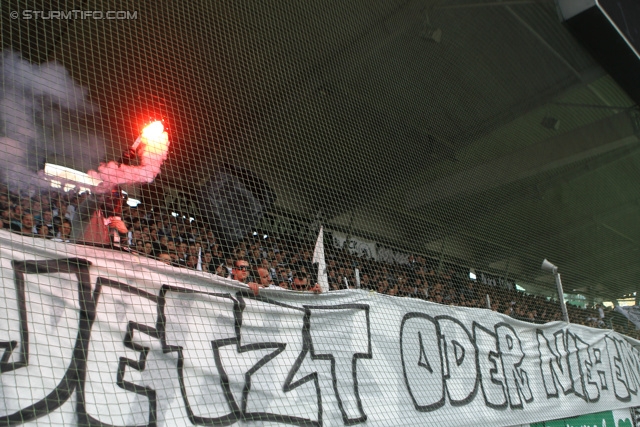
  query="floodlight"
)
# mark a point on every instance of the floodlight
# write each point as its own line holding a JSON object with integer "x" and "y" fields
{"x": 550, "y": 268}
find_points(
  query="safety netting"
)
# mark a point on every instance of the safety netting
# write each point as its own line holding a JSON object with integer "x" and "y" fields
{"x": 312, "y": 213}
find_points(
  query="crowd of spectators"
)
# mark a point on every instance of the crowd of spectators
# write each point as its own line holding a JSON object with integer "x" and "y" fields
{"x": 182, "y": 243}
{"x": 46, "y": 215}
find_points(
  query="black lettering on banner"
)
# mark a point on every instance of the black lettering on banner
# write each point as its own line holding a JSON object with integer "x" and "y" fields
{"x": 77, "y": 365}
{"x": 422, "y": 361}
{"x": 438, "y": 355}
{"x": 554, "y": 364}
{"x": 492, "y": 380}
{"x": 340, "y": 350}
{"x": 631, "y": 364}
{"x": 174, "y": 331}
{"x": 230, "y": 329}
{"x": 511, "y": 354}
{"x": 587, "y": 385}
{"x": 459, "y": 353}
{"x": 276, "y": 349}
{"x": 138, "y": 365}
{"x": 601, "y": 364}
{"x": 619, "y": 375}
{"x": 575, "y": 368}
{"x": 84, "y": 403}
{"x": 291, "y": 383}
{"x": 8, "y": 346}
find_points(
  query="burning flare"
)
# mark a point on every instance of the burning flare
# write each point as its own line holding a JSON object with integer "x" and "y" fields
{"x": 153, "y": 130}
{"x": 152, "y": 146}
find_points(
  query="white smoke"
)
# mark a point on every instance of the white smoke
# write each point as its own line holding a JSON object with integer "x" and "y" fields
{"x": 34, "y": 102}
{"x": 154, "y": 148}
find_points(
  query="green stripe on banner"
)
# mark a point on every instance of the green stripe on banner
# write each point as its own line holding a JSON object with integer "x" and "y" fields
{"x": 599, "y": 419}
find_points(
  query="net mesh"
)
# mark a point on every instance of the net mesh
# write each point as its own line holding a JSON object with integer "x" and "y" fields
{"x": 159, "y": 153}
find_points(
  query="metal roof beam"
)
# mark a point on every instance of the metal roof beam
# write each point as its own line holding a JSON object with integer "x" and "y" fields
{"x": 592, "y": 140}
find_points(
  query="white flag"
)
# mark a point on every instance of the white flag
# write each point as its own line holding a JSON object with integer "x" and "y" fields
{"x": 318, "y": 257}
{"x": 630, "y": 312}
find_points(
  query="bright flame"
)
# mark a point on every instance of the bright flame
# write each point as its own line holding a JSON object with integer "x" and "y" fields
{"x": 155, "y": 146}
{"x": 153, "y": 130}
{"x": 156, "y": 143}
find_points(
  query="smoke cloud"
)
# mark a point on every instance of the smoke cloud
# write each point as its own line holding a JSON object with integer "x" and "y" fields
{"x": 36, "y": 102}
{"x": 154, "y": 145}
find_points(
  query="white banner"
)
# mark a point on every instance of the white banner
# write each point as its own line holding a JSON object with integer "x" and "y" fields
{"x": 356, "y": 245}
{"x": 98, "y": 337}
{"x": 495, "y": 281}
{"x": 392, "y": 256}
